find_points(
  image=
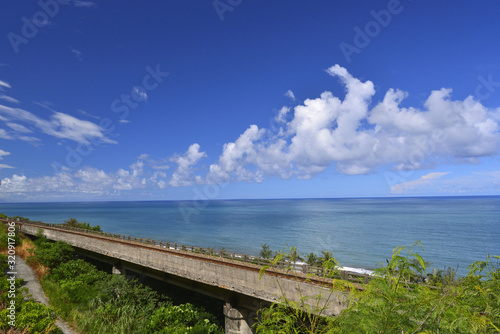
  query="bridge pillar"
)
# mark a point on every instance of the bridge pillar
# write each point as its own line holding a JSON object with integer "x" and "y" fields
{"x": 237, "y": 320}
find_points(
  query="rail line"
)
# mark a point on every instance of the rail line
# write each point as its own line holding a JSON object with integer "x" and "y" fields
{"x": 282, "y": 269}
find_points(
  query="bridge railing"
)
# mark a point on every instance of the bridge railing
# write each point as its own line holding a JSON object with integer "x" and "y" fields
{"x": 297, "y": 266}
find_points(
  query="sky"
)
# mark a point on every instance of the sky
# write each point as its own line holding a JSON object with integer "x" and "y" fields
{"x": 236, "y": 99}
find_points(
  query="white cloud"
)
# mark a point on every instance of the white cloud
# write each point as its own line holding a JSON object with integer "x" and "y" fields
{"x": 358, "y": 138}
{"x": 5, "y": 135}
{"x": 4, "y": 84}
{"x": 183, "y": 175}
{"x": 19, "y": 128}
{"x": 290, "y": 95}
{"x": 85, "y": 4}
{"x": 77, "y": 53}
{"x": 85, "y": 181}
{"x": 283, "y": 112}
{"x": 140, "y": 93}
{"x": 2, "y": 154}
{"x": 237, "y": 155}
{"x": 8, "y": 98}
{"x": 60, "y": 125}
{"x": 352, "y": 134}
{"x": 411, "y": 186}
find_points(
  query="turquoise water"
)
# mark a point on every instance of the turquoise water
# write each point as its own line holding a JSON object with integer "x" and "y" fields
{"x": 455, "y": 231}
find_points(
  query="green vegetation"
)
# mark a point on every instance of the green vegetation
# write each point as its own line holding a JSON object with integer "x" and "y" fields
{"x": 30, "y": 316}
{"x": 73, "y": 222}
{"x": 265, "y": 252}
{"x": 400, "y": 299}
{"x": 95, "y": 302}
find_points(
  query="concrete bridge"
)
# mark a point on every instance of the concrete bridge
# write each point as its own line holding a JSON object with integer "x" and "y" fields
{"x": 234, "y": 279}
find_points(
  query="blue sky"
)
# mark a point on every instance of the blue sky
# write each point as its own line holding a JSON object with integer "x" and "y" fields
{"x": 166, "y": 100}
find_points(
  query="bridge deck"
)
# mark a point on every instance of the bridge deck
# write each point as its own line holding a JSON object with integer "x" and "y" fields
{"x": 231, "y": 274}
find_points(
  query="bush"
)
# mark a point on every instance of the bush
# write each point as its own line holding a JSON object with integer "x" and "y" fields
{"x": 265, "y": 252}
{"x": 184, "y": 318}
{"x": 77, "y": 270}
{"x": 31, "y": 317}
{"x": 73, "y": 222}
{"x": 52, "y": 254}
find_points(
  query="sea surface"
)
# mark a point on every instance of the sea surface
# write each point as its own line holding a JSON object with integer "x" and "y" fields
{"x": 361, "y": 233}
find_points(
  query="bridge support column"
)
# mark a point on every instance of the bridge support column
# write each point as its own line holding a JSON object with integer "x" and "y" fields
{"x": 236, "y": 320}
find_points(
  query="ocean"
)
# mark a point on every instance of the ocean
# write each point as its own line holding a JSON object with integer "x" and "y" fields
{"x": 360, "y": 232}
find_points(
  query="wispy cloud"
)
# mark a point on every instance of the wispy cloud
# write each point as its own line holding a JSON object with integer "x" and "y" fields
{"x": 77, "y": 53}
{"x": 290, "y": 95}
{"x": 5, "y": 135}
{"x": 140, "y": 93}
{"x": 3, "y": 85}
{"x": 2, "y": 154}
{"x": 8, "y": 98}
{"x": 410, "y": 186}
{"x": 86, "y": 4}
{"x": 352, "y": 134}
{"x": 19, "y": 128}
{"x": 60, "y": 125}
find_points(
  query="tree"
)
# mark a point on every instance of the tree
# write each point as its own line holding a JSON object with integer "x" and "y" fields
{"x": 312, "y": 259}
{"x": 265, "y": 252}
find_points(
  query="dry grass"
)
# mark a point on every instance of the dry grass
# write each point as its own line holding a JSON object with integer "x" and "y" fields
{"x": 41, "y": 271}
{"x": 23, "y": 251}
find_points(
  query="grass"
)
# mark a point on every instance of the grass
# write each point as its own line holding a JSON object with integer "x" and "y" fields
{"x": 23, "y": 250}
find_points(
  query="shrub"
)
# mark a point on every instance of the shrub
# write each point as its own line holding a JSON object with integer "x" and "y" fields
{"x": 73, "y": 222}
{"x": 52, "y": 254}
{"x": 265, "y": 252}
{"x": 184, "y": 318}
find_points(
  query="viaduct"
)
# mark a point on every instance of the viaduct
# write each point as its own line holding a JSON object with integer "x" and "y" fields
{"x": 237, "y": 280}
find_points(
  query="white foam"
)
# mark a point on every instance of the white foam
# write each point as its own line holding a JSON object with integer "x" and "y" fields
{"x": 357, "y": 270}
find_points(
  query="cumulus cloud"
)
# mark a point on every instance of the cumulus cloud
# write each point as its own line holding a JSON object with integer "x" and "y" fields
{"x": 85, "y": 181}
{"x": 353, "y": 134}
{"x": 183, "y": 175}
{"x": 358, "y": 137}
